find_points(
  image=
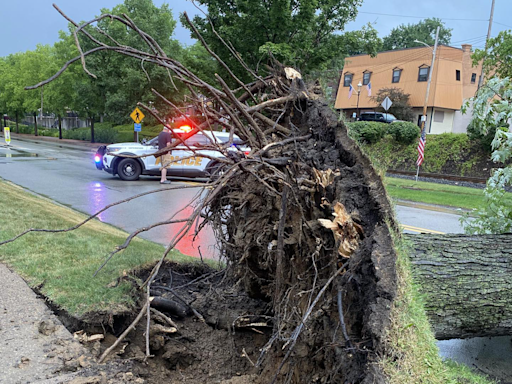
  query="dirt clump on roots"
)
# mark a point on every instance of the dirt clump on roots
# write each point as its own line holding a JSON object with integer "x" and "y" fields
{"x": 310, "y": 275}
{"x": 319, "y": 250}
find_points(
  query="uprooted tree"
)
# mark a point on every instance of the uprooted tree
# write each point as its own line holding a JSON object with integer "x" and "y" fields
{"x": 303, "y": 221}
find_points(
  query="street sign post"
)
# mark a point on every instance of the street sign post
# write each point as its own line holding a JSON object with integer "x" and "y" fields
{"x": 386, "y": 104}
{"x": 137, "y": 117}
{"x": 7, "y": 135}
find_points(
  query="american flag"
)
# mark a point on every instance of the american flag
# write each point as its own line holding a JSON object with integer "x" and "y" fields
{"x": 421, "y": 148}
{"x": 350, "y": 91}
{"x": 369, "y": 88}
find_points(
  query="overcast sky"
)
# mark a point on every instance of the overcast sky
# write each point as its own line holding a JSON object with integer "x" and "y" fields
{"x": 25, "y": 23}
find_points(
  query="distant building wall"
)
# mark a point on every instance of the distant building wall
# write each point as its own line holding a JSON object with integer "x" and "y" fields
{"x": 454, "y": 81}
{"x": 442, "y": 121}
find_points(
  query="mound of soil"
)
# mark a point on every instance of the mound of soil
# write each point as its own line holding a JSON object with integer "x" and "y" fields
{"x": 219, "y": 346}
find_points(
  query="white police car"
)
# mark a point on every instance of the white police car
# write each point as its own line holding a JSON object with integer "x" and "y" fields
{"x": 192, "y": 165}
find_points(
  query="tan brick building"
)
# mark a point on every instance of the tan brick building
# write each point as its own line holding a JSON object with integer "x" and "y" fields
{"x": 454, "y": 80}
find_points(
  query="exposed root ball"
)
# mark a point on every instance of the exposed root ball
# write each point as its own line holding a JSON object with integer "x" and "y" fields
{"x": 308, "y": 237}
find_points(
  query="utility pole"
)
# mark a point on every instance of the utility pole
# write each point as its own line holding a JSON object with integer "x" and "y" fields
{"x": 431, "y": 70}
{"x": 481, "y": 79}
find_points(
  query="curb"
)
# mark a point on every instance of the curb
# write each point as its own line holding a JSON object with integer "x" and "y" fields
{"x": 76, "y": 144}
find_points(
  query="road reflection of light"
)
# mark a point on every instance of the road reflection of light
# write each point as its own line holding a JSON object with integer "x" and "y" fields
{"x": 202, "y": 245}
{"x": 96, "y": 198}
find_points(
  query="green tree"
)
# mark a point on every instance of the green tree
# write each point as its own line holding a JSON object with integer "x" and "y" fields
{"x": 400, "y": 107}
{"x": 123, "y": 81}
{"x": 492, "y": 107}
{"x": 35, "y": 66}
{"x": 404, "y": 36}
{"x": 301, "y": 33}
{"x": 12, "y": 91}
{"x": 59, "y": 94}
{"x": 498, "y": 58}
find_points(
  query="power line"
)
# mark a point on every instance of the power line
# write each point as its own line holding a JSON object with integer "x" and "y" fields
{"x": 420, "y": 17}
{"x": 505, "y": 25}
{"x": 470, "y": 40}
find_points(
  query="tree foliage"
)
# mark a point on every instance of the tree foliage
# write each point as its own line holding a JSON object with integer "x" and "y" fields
{"x": 492, "y": 107}
{"x": 400, "y": 107}
{"x": 122, "y": 81}
{"x": 404, "y": 35}
{"x": 498, "y": 59}
{"x": 300, "y": 33}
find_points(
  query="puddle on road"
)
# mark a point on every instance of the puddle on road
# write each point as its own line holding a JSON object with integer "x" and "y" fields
{"x": 16, "y": 153}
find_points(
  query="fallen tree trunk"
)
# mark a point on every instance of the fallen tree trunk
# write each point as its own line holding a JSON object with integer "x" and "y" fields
{"x": 466, "y": 283}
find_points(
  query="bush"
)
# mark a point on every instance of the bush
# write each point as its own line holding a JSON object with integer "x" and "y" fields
{"x": 367, "y": 131}
{"x": 484, "y": 139}
{"x": 105, "y": 135}
{"x": 77, "y": 134}
{"x": 404, "y": 132}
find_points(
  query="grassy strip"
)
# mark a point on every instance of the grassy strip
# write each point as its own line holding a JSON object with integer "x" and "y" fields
{"x": 63, "y": 264}
{"x": 412, "y": 353}
{"x": 433, "y": 193}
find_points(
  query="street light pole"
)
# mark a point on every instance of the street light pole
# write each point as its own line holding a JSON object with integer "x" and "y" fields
{"x": 359, "y": 85}
{"x": 431, "y": 70}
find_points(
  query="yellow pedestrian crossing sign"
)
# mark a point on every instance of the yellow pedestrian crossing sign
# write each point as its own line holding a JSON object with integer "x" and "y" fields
{"x": 137, "y": 115}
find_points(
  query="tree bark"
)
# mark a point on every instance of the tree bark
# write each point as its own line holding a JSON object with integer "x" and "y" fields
{"x": 92, "y": 129}
{"x": 60, "y": 127}
{"x": 35, "y": 124}
{"x": 466, "y": 281}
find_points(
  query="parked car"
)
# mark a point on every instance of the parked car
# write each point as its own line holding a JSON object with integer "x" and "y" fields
{"x": 192, "y": 165}
{"x": 381, "y": 117}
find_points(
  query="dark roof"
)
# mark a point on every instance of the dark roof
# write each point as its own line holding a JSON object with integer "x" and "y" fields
{"x": 405, "y": 49}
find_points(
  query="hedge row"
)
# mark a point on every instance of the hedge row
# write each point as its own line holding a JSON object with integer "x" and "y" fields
{"x": 403, "y": 132}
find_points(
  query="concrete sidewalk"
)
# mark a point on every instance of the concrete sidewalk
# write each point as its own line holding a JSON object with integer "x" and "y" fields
{"x": 35, "y": 348}
{"x": 34, "y": 345}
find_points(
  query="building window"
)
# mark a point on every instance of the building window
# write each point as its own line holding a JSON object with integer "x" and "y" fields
{"x": 423, "y": 74}
{"x": 439, "y": 117}
{"x": 457, "y": 75}
{"x": 473, "y": 78}
{"x": 366, "y": 77}
{"x": 396, "y": 75}
{"x": 347, "y": 80}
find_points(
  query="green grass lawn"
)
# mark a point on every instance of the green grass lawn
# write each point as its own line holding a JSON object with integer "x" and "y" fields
{"x": 433, "y": 193}
{"x": 63, "y": 264}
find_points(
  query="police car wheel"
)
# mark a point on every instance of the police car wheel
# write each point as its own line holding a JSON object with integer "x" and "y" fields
{"x": 129, "y": 169}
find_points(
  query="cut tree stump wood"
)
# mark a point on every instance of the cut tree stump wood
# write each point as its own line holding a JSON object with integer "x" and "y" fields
{"x": 466, "y": 281}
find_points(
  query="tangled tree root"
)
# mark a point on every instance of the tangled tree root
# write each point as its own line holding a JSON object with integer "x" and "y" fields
{"x": 310, "y": 237}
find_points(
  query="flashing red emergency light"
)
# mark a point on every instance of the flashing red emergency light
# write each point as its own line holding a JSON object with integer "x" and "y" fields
{"x": 185, "y": 128}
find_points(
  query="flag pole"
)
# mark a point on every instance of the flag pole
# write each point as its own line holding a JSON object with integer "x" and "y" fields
{"x": 424, "y": 117}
